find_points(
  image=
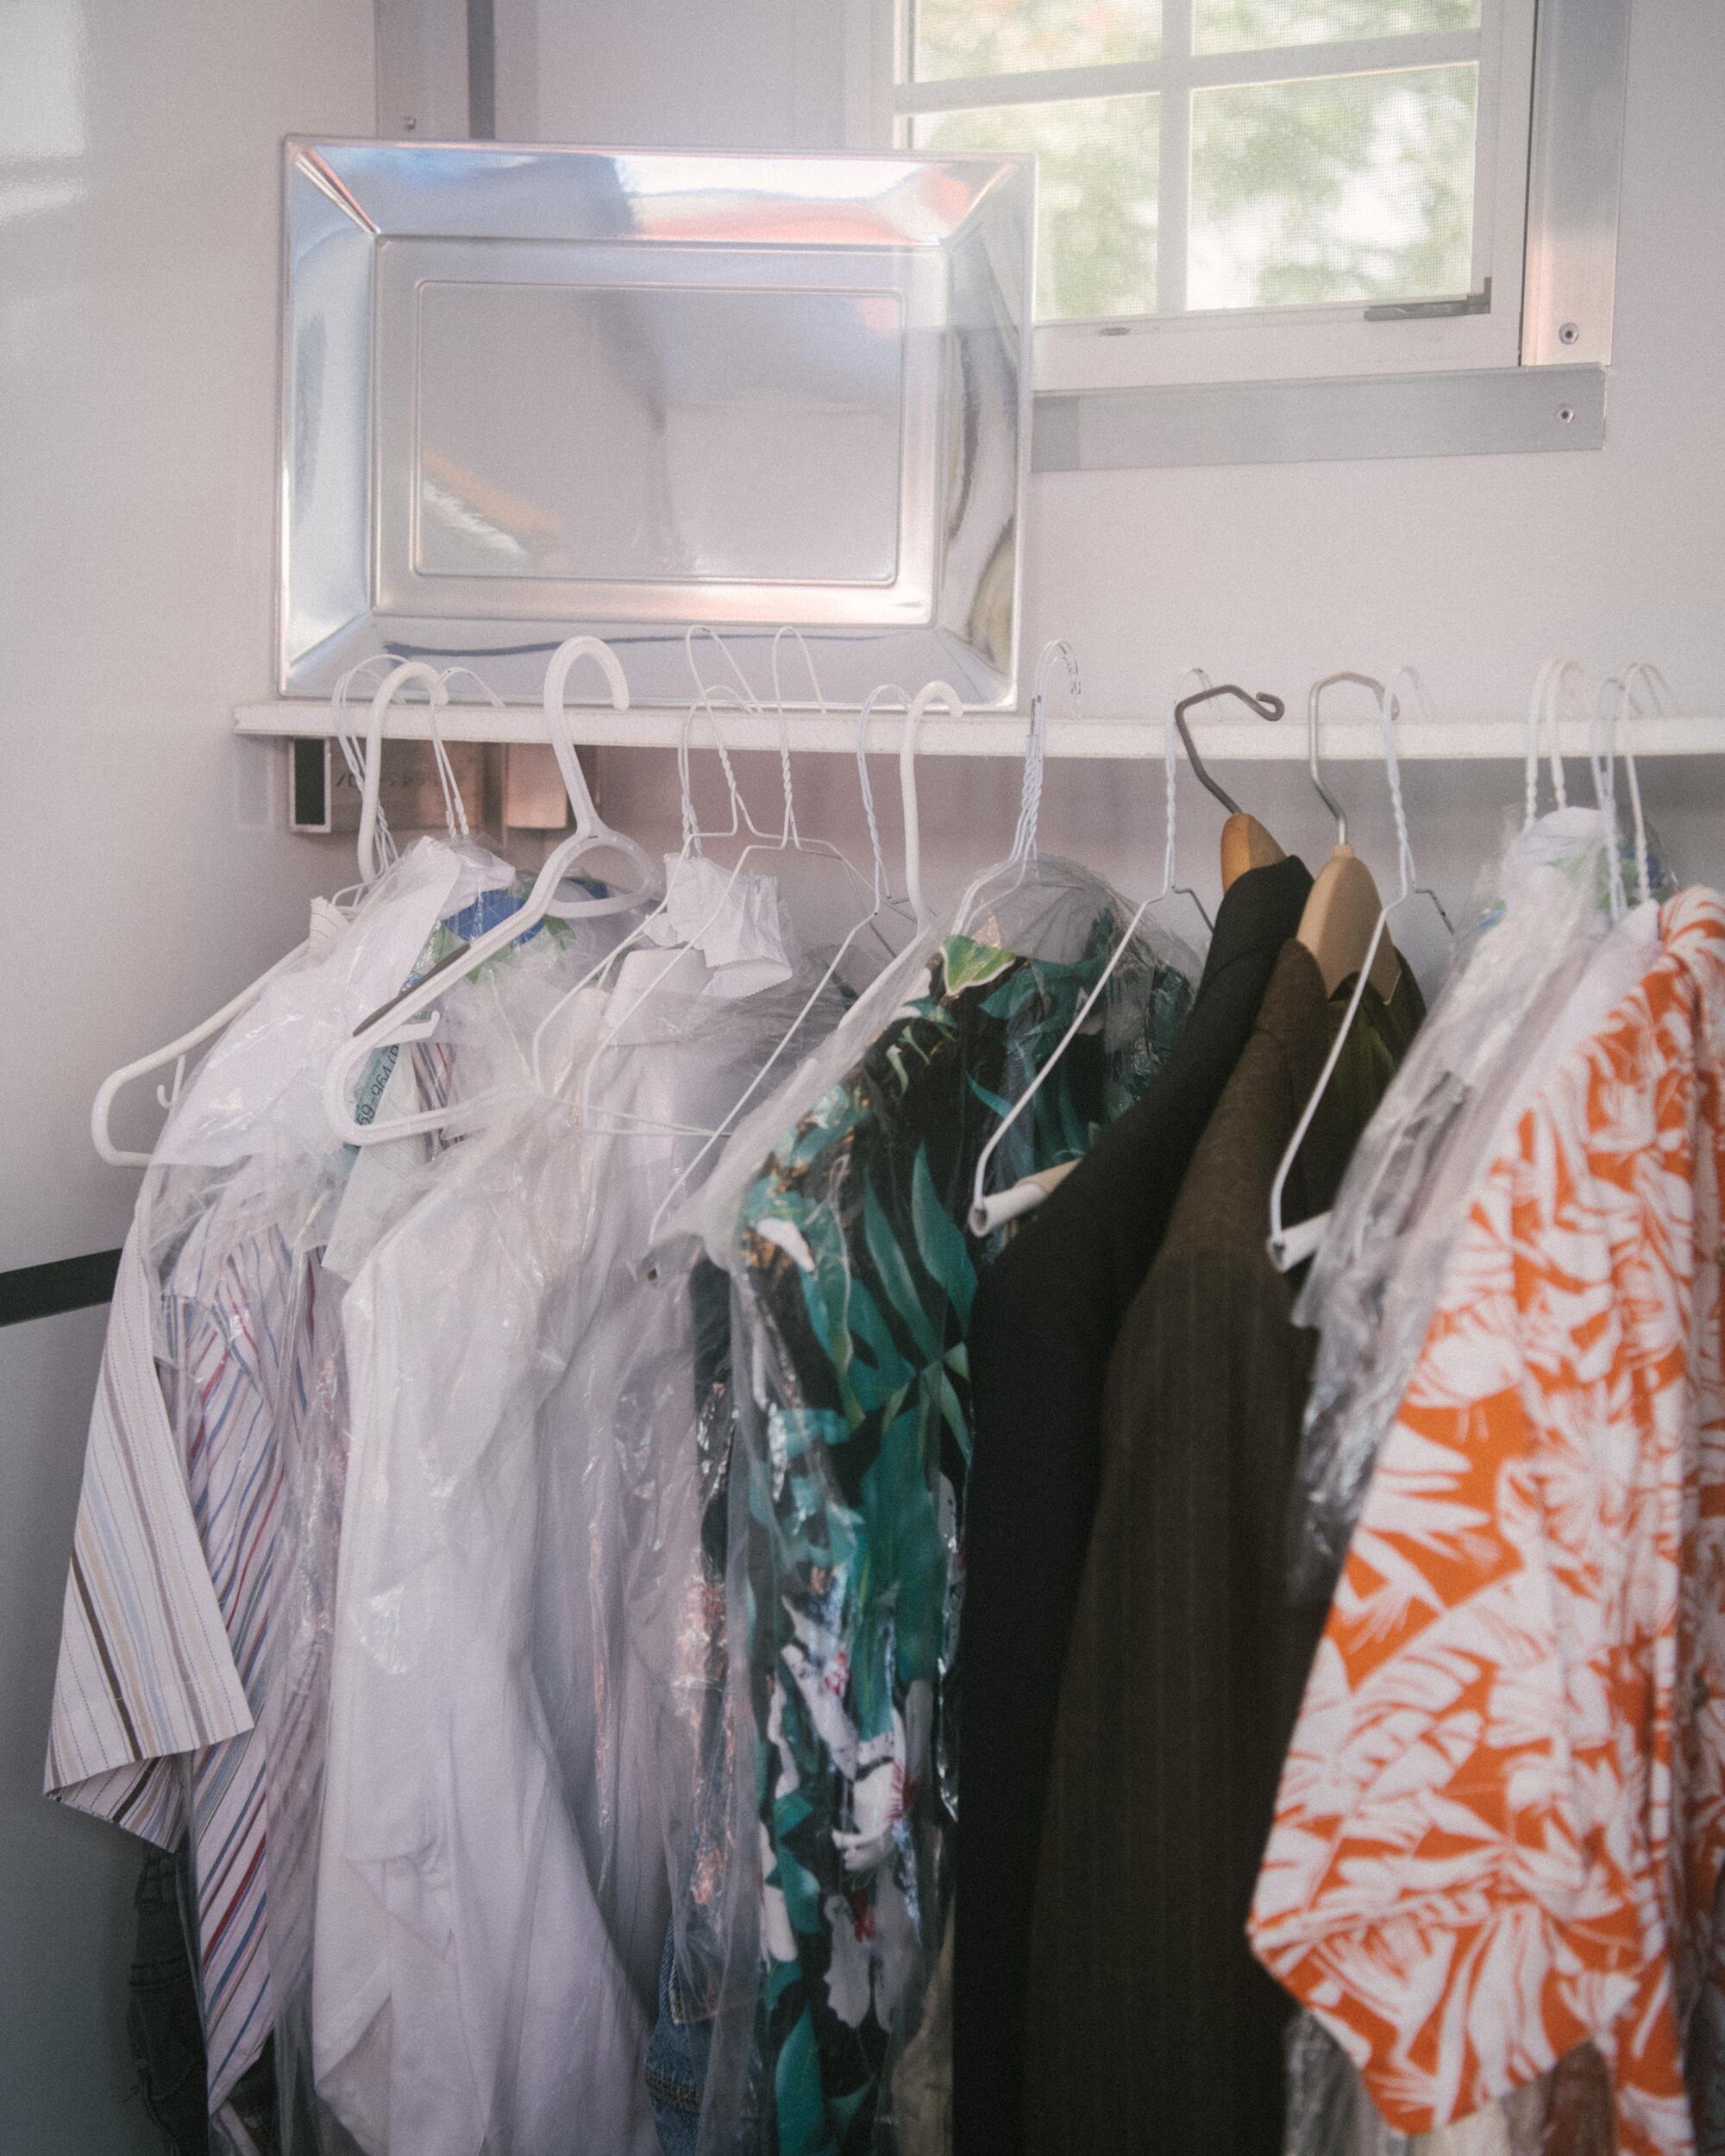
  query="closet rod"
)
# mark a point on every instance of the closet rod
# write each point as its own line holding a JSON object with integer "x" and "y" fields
{"x": 1002, "y": 734}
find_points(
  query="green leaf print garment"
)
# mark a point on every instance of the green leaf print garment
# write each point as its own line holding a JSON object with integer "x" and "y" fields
{"x": 854, "y": 1284}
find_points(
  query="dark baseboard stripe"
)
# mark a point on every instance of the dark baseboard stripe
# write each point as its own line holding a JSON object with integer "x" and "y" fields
{"x": 70, "y": 1283}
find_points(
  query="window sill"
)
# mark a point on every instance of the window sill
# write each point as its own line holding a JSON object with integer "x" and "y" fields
{"x": 1494, "y": 411}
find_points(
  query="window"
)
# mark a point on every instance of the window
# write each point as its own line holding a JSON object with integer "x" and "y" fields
{"x": 1241, "y": 189}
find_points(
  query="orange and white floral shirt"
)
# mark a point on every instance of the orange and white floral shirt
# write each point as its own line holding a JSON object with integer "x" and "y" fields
{"x": 1502, "y": 1820}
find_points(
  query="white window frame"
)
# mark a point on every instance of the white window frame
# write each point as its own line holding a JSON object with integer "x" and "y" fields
{"x": 1579, "y": 42}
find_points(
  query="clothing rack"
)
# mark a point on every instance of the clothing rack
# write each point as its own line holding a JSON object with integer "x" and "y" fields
{"x": 1002, "y": 733}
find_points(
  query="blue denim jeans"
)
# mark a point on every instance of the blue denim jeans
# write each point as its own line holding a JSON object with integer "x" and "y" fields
{"x": 676, "y": 2061}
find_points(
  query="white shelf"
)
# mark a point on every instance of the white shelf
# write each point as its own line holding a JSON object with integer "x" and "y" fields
{"x": 992, "y": 733}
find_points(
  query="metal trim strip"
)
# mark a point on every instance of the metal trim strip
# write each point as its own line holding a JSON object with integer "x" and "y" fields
{"x": 1478, "y": 412}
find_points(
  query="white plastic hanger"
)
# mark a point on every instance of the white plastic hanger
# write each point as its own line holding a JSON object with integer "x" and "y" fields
{"x": 412, "y": 1016}
{"x": 1290, "y": 1247}
{"x": 692, "y": 846}
{"x": 177, "y": 1052}
{"x": 589, "y": 826}
{"x": 991, "y": 1212}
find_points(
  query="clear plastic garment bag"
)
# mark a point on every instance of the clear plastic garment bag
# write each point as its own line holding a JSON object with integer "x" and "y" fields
{"x": 245, "y": 1191}
{"x": 1549, "y": 946}
{"x": 839, "y": 1212}
{"x": 492, "y": 1890}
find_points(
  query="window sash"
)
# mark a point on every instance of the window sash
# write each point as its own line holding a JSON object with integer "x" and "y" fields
{"x": 1177, "y": 343}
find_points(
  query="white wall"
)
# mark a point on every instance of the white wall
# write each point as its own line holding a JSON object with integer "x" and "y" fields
{"x": 1472, "y": 568}
{"x": 144, "y": 872}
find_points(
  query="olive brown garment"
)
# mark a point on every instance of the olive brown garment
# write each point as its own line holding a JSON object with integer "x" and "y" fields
{"x": 1151, "y": 2030}
{"x": 1041, "y": 1331}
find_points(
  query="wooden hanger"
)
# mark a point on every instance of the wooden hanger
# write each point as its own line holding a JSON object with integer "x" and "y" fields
{"x": 1246, "y": 843}
{"x": 1340, "y": 920}
{"x": 1342, "y": 908}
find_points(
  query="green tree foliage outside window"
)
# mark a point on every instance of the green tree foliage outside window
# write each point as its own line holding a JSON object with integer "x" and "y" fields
{"x": 1350, "y": 188}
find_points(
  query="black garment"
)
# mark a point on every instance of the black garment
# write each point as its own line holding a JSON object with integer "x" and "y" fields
{"x": 1043, "y": 1327}
{"x": 161, "y": 2020}
{"x": 1151, "y": 2029}
{"x": 166, "y": 2032}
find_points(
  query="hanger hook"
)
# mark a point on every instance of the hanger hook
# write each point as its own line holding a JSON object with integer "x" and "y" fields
{"x": 558, "y": 729}
{"x": 1313, "y": 701}
{"x": 791, "y": 836}
{"x": 1056, "y": 647}
{"x": 1036, "y": 741}
{"x": 409, "y": 670}
{"x": 739, "y": 807}
{"x": 1265, "y": 706}
{"x": 1556, "y": 679}
{"x": 932, "y": 692}
{"x": 874, "y": 697}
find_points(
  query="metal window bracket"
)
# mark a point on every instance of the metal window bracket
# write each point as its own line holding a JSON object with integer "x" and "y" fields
{"x": 1477, "y": 303}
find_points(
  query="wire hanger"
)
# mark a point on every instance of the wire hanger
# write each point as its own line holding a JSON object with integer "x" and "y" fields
{"x": 1341, "y": 923}
{"x": 1021, "y": 859}
{"x": 1246, "y": 842}
{"x": 991, "y": 1212}
{"x": 728, "y": 1122}
{"x": 374, "y": 856}
{"x": 790, "y": 839}
{"x": 1559, "y": 682}
{"x": 793, "y": 836}
{"x": 910, "y": 807}
{"x": 1290, "y": 1247}
{"x": 891, "y": 982}
{"x": 413, "y": 1016}
{"x": 349, "y": 739}
{"x": 1643, "y": 673}
{"x": 1603, "y": 752}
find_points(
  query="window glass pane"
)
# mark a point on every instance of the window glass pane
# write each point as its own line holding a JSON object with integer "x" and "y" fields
{"x": 1348, "y": 187}
{"x": 1012, "y": 37}
{"x": 1095, "y": 235}
{"x": 1256, "y": 26}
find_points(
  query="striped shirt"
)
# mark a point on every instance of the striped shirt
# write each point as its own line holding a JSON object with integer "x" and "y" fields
{"x": 168, "y": 1693}
{"x": 236, "y": 1324}
{"x": 162, "y": 1646}
{"x": 145, "y": 1671}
